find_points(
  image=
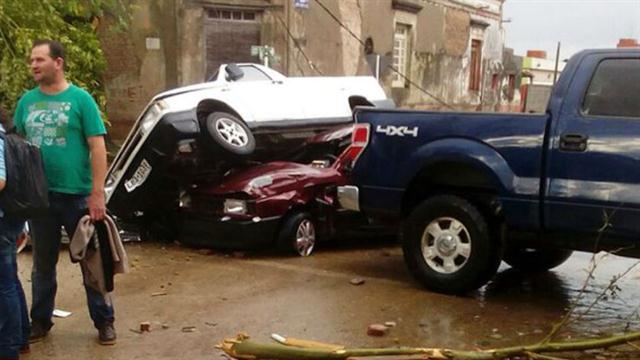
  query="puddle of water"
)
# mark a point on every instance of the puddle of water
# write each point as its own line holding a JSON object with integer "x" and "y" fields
{"x": 598, "y": 311}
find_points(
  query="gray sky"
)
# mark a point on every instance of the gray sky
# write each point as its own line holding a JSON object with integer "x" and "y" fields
{"x": 577, "y": 24}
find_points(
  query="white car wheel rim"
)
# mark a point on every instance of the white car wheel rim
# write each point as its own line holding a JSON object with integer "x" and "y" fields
{"x": 446, "y": 245}
{"x": 231, "y": 132}
{"x": 305, "y": 238}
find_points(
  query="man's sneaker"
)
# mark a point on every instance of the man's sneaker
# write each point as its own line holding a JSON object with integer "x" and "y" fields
{"x": 107, "y": 334}
{"x": 38, "y": 332}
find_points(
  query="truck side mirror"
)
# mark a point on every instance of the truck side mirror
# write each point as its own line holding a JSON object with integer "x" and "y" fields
{"x": 234, "y": 72}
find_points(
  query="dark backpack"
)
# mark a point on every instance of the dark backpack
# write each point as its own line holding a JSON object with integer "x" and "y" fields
{"x": 26, "y": 193}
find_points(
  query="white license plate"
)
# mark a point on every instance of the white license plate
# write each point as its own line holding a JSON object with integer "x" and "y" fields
{"x": 139, "y": 177}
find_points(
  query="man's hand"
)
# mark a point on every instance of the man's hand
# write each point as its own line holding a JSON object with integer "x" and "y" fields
{"x": 96, "y": 204}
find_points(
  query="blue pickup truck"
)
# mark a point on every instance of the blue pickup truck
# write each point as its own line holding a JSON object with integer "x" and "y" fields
{"x": 474, "y": 189}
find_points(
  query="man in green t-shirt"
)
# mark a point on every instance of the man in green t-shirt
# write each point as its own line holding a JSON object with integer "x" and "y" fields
{"x": 64, "y": 121}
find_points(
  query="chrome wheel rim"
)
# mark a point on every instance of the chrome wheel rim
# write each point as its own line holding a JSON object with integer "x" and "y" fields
{"x": 231, "y": 132}
{"x": 305, "y": 238}
{"x": 446, "y": 245}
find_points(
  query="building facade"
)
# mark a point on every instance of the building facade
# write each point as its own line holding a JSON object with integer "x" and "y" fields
{"x": 431, "y": 54}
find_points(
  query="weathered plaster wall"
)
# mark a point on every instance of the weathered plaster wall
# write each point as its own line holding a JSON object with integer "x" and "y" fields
{"x": 136, "y": 71}
{"x": 431, "y": 30}
{"x": 320, "y": 37}
{"x": 441, "y": 59}
{"x": 191, "y": 41}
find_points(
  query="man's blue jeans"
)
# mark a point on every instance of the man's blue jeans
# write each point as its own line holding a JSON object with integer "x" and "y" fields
{"x": 65, "y": 210}
{"x": 14, "y": 321}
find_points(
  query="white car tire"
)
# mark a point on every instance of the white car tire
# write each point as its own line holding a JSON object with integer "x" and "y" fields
{"x": 230, "y": 134}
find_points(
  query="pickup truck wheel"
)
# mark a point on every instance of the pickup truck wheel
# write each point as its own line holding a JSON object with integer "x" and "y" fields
{"x": 230, "y": 134}
{"x": 298, "y": 234}
{"x": 535, "y": 260}
{"x": 447, "y": 246}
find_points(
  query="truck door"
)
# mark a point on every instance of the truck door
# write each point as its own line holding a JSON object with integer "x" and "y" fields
{"x": 593, "y": 167}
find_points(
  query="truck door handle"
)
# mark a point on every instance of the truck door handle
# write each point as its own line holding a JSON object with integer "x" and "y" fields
{"x": 573, "y": 142}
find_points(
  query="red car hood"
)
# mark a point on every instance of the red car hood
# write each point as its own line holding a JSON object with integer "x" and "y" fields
{"x": 272, "y": 178}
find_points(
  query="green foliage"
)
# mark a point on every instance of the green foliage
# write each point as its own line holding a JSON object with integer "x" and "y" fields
{"x": 73, "y": 23}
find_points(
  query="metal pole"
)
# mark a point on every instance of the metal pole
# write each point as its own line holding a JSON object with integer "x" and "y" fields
{"x": 555, "y": 72}
{"x": 377, "y": 67}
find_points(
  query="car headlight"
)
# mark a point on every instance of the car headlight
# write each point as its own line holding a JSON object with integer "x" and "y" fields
{"x": 233, "y": 206}
{"x": 184, "y": 200}
{"x": 152, "y": 116}
{"x": 109, "y": 186}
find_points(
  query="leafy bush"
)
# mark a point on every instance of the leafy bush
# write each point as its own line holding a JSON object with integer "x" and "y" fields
{"x": 73, "y": 23}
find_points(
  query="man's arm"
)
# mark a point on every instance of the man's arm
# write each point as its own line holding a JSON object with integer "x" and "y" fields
{"x": 96, "y": 201}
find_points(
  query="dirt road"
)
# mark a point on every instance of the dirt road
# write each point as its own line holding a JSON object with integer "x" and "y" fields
{"x": 216, "y": 295}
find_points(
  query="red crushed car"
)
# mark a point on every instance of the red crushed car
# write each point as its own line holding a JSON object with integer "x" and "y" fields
{"x": 289, "y": 204}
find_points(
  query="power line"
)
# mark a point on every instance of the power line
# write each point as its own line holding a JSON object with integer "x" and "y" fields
{"x": 340, "y": 22}
{"x": 389, "y": 66}
{"x": 295, "y": 43}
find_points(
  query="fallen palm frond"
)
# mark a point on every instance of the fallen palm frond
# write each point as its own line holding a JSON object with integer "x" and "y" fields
{"x": 243, "y": 348}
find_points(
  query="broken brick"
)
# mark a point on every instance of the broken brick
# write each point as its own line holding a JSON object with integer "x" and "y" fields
{"x": 377, "y": 330}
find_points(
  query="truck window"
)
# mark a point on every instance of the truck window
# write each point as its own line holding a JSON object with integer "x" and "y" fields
{"x": 252, "y": 73}
{"x": 614, "y": 89}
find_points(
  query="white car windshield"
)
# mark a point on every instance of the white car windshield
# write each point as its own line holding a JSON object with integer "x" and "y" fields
{"x": 251, "y": 73}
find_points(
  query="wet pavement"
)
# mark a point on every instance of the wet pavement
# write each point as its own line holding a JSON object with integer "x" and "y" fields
{"x": 202, "y": 297}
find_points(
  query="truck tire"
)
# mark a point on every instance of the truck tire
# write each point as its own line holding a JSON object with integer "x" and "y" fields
{"x": 535, "y": 260}
{"x": 447, "y": 245}
{"x": 230, "y": 134}
{"x": 298, "y": 234}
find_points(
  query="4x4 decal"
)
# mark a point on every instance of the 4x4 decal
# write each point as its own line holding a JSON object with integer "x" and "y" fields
{"x": 401, "y": 131}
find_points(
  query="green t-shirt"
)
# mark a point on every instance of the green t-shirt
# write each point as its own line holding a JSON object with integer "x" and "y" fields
{"x": 59, "y": 124}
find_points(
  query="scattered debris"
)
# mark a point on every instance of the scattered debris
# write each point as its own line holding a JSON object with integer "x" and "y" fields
{"x": 136, "y": 331}
{"x": 165, "y": 326}
{"x": 159, "y": 293}
{"x": 210, "y": 324}
{"x": 390, "y": 324}
{"x": 243, "y": 348}
{"x": 289, "y": 341}
{"x": 61, "y": 313}
{"x": 357, "y": 281}
{"x": 377, "y": 330}
{"x": 188, "y": 329}
{"x": 145, "y": 327}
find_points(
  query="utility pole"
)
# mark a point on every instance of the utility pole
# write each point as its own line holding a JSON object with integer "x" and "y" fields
{"x": 287, "y": 9}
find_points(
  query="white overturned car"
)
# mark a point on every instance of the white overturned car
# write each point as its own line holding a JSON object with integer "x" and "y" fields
{"x": 247, "y": 113}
